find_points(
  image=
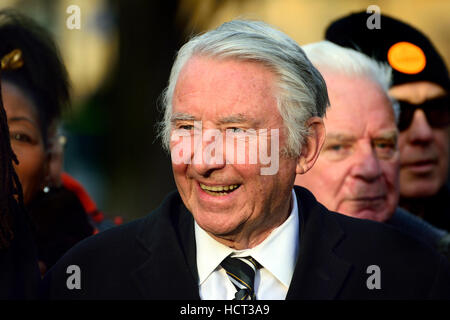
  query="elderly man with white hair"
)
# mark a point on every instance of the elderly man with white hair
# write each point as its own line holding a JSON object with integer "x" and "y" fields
{"x": 357, "y": 172}
{"x": 243, "y": 116}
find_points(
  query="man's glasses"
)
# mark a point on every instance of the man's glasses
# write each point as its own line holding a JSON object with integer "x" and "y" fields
{"x": 436, "y": 110}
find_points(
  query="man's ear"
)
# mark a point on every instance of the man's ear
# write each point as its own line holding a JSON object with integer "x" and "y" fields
{"x": 312, "y": 145}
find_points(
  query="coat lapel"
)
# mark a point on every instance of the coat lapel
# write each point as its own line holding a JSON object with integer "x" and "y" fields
{"x": 168, "y": 270}
{"x": 319, "y": 273}
{"x": 167, "y": 245}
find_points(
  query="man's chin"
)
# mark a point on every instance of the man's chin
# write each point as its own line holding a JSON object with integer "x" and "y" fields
{"x": 218, "y": 228}
{"x": 369, "y": 214}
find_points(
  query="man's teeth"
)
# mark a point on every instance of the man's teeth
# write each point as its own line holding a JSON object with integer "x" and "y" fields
{"x": 219, "y": 188}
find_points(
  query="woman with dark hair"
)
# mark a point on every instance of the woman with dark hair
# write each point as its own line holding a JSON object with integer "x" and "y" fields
{"x": 35, "y": 93}
{"x": 19, "y": 276}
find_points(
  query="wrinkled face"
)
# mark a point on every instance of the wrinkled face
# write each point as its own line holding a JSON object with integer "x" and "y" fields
{"x": 230, "y": 198}
{"x": 26, "y": 140}
{"x": 424, "y": 150}
{"x": 357, "y": 171}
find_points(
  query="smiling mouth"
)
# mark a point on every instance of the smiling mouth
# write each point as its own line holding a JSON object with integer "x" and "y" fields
{"x": 219, "y": 190}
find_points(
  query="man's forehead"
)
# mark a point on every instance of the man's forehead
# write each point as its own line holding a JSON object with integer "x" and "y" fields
{"x": 347, "y": 86}
{"x": 204, "y": 73}
{"x": 358, "y": 107}
{"x": 358, "y": 120}
{"x": 225, "y": 89}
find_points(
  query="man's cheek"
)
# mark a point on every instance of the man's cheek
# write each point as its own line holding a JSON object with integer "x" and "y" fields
{"x": 181, "y": 152}
{"x": 178, "y": 168}
{"x": 391, "y": 170}
{"x": 443, "y": 142}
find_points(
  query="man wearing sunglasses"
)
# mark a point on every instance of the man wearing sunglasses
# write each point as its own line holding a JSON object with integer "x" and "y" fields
{"x": 421, "y": 86}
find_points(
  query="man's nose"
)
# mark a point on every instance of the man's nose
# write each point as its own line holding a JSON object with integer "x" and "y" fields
{"x": 366, "y": 165}
{"x": 208, "y": 155}
{"x": 419, "y": 132}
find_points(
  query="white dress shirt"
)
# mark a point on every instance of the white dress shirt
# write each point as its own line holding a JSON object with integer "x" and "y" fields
{"x": 277, "y": 254}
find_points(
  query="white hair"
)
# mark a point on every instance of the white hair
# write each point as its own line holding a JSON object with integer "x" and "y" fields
{"x": 301, "y": 94}
{"x": 327, "y": 56}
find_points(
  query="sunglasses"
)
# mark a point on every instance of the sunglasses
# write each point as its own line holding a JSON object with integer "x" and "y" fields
{"x": 436, "y": 110}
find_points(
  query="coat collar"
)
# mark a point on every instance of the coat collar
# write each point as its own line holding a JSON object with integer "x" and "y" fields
{"x": 166, "y": 241}
{"x": 319, "y": 273}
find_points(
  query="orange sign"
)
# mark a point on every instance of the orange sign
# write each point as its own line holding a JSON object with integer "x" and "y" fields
{"x": 406, "y": 57}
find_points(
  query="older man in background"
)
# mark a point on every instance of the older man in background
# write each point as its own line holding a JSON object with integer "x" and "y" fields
{"x": 421, "y": 85}
{"x": 357, "y": 171}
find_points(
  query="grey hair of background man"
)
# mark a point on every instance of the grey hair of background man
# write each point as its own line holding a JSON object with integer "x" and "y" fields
{"x": 327, "y": 56}
{"x": 301, "y": 94}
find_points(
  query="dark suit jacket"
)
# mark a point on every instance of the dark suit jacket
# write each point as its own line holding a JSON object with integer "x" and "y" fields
{"x": 155, "y": 258}
{"x": 19, "y": 271}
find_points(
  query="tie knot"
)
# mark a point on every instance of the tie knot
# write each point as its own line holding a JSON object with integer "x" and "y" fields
{"x": 241, "y": 271}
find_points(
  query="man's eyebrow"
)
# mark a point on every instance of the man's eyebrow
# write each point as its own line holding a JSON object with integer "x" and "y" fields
{"x": 237, "y": 118}
{"x": 180, "y": 116}
{"x": 340, "y": 137}
{"x": 389, "y": 135}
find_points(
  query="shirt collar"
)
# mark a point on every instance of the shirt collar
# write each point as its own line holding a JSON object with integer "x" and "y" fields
{"x": 281, "y": 245}
{"x": 210, "y": 253}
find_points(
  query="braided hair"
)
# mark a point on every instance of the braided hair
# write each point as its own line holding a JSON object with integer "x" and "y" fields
{"x": 11, "y": 196}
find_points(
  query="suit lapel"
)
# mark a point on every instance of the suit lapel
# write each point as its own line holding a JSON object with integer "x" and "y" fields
{"x": 167, "y": 245}
{"x": 168, "y": 270}
{"x": 319, "y": 273}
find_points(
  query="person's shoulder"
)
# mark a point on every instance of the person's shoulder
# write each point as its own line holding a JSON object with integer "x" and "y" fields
{"x": 121, "y": 236}
{"x": 409, "y": 266}
{"x": 364, "y": 239}
{"x": 93, "y": 264}
{"x": 113, "y": 238}
{"x": 106, "y": 260}
{"x": 381, "y": 236}
{"x": 105, "y": 250}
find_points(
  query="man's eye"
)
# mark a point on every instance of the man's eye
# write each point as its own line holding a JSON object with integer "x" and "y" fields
{"x": 385, "y": 149}
{"x": 235, "y": 130}
{"x": 337, "y": 151}
{"x": 338, "y": 147}
{"x": 20, "y": 137}
{"x": 186, "y": 127}
{"x": 382, "y": 145}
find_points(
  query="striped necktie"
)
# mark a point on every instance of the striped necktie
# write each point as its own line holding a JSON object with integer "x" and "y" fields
{"x": 241, "y": 272}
